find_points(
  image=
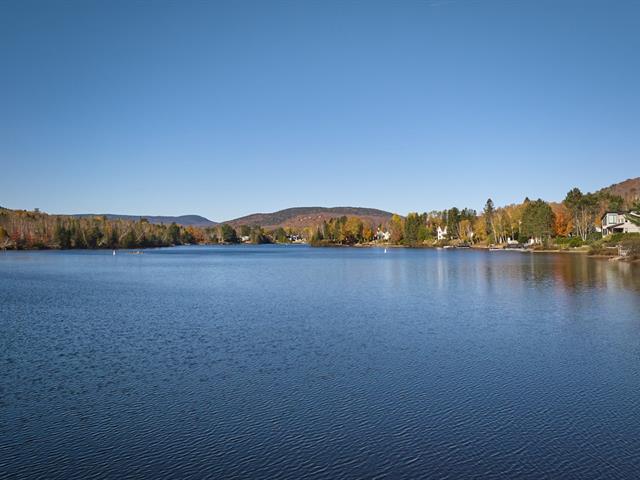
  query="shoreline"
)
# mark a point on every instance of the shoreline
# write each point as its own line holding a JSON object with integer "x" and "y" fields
{"x": 577, "y": 251}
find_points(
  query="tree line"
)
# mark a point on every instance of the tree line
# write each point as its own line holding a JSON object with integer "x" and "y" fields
{"x": 22, "y": 229}
{"x": 574, "y": 219}
{"x": 26, "y": 230}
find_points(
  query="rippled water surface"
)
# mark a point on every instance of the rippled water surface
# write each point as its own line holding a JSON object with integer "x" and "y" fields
{"x": 291, "y": 362}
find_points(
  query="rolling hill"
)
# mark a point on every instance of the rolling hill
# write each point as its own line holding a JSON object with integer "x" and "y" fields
{"x": 629, "y": 190}
{"x": 185, "y": 220}
{"x": 301, "y": 217}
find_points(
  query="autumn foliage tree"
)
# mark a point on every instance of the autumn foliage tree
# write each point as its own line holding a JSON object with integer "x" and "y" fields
{"x": 396, "y": 228}
{"x": 562, "y": 224}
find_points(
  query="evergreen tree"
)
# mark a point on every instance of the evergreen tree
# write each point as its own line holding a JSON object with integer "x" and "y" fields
{"x": 453, "y": 218}
{"x": 228, "y": 234}
{"x": 280, "y": 236}
{"x": 537, "y": 220}
{"x": 174, "y": 234}
{"x": 412, "y": 226}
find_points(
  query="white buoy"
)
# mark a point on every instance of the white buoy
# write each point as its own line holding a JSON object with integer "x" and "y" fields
{"x": 385, "y": 250}
{"x": 114, "y": 252}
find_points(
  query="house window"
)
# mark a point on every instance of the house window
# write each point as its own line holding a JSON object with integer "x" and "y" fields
{"x": 612, "y": 219}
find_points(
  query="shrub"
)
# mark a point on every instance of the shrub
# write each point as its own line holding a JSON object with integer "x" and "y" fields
{"x": 575, "y": 242}
{"x": 562, "y": 240}
{"x": 597, "y": 248}
{"x": 616, "y": 238}
{"x": 594, "y": 237}
{"x": 568, "y": 242}
{"x": 632, "y": 247}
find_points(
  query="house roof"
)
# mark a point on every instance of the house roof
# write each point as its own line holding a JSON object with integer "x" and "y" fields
{"x": 608, "y": 212}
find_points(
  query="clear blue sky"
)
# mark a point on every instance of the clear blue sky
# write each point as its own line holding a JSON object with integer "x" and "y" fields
{"x": 227, "y": 108}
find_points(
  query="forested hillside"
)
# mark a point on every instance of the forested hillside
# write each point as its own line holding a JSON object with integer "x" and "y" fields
{"x": 184, "y": 220}
{"x": 305, "y": 217}
{"x": 629, "y": 190}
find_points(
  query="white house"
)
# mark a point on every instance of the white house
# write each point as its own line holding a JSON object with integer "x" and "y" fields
{"x": 383, "y": 235}
{"x": 442, "y": 233}
{"x": 618, "y": 222}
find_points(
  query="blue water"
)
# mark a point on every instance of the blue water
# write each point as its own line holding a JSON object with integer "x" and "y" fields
{"x": 290, "y": 362}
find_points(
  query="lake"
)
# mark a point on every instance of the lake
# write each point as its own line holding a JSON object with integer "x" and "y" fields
{"x": 291, "y": 362}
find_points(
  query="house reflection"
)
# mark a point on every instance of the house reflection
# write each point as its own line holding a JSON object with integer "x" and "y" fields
{"x": 576, "y": 272}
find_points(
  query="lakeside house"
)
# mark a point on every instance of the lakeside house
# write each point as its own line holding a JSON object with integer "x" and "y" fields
{"x": 442, "y": 233}
{"x": 383, "y": 235}
{"x": 619, "y": 222}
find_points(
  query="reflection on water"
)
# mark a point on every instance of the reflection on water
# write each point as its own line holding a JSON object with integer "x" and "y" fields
{"x": 292, "y": 362}
{"x": 581, "y": 272}
{"x": 570, "y": 272}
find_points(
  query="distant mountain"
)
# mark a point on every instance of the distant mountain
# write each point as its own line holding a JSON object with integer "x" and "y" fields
{"x": 185, "y": 220}
{"x": 629, "y": 190}
{"x": 301, "y": 217}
